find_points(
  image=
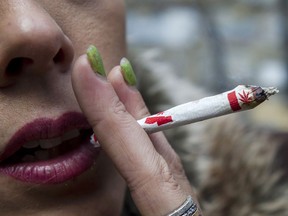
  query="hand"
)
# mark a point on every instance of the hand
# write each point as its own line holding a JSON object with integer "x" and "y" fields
{"x": 150, "y": 167}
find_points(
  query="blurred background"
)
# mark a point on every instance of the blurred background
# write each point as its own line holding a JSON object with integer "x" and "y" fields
{"x": 219, "y": 44}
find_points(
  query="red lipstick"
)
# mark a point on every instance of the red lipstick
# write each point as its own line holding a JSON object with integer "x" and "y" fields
{"x": 49, "y": 151}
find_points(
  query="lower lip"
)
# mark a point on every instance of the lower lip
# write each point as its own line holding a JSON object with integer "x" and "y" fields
{"x": 55, "y": 171}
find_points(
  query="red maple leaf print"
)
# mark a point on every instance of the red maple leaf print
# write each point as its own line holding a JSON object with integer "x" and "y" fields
{"x": 245, "y": 97}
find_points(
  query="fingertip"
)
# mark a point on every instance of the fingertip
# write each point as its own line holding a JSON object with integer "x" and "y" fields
{"x": 128, "y": 72}
{"x": 87, "y": 85}
{"x": 83, "y": 74}
{"x": 115, "y": 75}
{"x": 129, "y": 95}
{"x": 123, "y": 90}
{"x": 79, "y": 62}
{"x": 116, "y": 78}
{"x": 78, "y": 72}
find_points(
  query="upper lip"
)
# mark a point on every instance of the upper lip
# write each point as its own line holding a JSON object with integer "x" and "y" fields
{"x": 44, "y": 128}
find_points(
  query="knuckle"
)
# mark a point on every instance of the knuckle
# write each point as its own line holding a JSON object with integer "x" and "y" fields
{"x": 108, "y": 114}
{"x": 160, "y": 177}
{"x": 117, "y": 107}
{"x": 167, "y": 178}
{"x": 177, "y": 167}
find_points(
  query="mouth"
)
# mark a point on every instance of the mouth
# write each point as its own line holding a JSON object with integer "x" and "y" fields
{"x": 51, "y": 152}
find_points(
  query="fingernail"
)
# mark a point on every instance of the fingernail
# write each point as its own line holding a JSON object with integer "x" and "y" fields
{"x": 128, "y": 72}
{"x": 95, "y": 60}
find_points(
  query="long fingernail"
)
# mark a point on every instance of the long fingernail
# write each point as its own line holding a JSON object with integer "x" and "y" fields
{"x": 128, "y": 72}
{"x": 95, "y": 60}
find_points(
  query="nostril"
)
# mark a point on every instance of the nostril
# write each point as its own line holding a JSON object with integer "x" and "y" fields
{"x": 59, "y": 57}
{"x": 17, "y": 65}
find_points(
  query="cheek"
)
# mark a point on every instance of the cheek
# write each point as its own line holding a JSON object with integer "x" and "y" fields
{"x": 108, "y": 36}
{"x": 101, "y": 23}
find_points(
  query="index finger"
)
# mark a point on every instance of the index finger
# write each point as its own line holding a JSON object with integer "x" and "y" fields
{"x": 126, "y": 143}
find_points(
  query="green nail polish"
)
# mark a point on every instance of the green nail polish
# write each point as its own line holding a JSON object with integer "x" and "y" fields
{"x": 128, "y": 72}
{"x": 95, "y": 60}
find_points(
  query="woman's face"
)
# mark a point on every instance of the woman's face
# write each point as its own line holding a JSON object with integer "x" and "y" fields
{"x": 47, "y": 166}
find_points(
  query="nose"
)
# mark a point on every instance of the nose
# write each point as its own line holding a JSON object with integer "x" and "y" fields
{"x": 31, "y": 42}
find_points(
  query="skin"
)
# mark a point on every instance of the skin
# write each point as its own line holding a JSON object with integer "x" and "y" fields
{"x": 40, "y": 86}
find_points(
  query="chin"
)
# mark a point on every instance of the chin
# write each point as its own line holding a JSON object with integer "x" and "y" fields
{"x": 94, "y": 191}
